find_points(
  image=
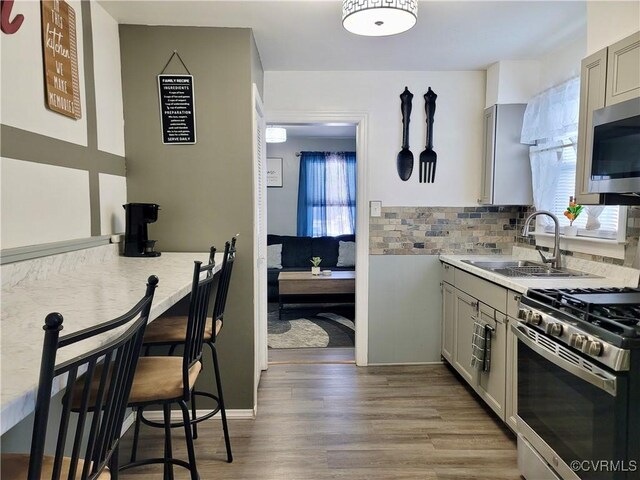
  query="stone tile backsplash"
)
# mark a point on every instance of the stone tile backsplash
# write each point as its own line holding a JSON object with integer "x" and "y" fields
{"x": 470, "y": 230}
{"x": 451, "y": 230}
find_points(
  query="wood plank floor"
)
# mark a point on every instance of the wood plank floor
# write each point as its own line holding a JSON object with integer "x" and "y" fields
{"x": 338, "y": 421}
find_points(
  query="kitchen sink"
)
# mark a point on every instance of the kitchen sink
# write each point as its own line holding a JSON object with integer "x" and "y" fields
{"x": 526, "y": 269}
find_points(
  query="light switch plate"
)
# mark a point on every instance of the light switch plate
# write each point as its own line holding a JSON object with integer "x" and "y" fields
{"x": 375, "y": 207}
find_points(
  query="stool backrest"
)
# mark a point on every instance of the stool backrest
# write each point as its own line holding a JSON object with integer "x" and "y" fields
{"x": 114, "y": 364}
{"x": 201, "y": 287}
{"x": 223, "y": 283}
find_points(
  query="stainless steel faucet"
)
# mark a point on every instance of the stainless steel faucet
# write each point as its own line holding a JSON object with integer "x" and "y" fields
{"x": 556, "y": 260}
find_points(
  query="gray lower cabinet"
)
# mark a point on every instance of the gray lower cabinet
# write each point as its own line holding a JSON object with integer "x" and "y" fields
{"x": 511, "y": 391}
{"x": 492, "y": 384}
{"x": 466, "y": 308}
{"x": 466, "y": 298}
{"x": 448, "y": 323}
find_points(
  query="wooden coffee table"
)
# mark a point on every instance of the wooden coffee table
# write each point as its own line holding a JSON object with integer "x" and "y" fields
{"x": 294, "y": 285}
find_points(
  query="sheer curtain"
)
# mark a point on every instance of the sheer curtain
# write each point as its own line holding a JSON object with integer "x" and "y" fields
{"x": 552, "y": 114}
{"x": 550, "y": 124}
{"x": 327, "y": 194}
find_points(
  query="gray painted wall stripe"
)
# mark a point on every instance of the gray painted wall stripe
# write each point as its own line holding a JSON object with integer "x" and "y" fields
{"x": 32, "y": 147}
{"x": 92, "y": 123}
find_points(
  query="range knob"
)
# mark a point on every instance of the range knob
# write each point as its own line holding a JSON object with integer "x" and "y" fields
{"x": 554, "y": 329}
{"x": 535, "y": 318}
{"x": 523, "y": 313}
{"x": 595, "y": 348}
{"x": 576, "y": 340}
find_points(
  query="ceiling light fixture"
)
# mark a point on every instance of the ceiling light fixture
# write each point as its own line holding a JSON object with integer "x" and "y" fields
{"x": 378, "y": 18}
{"x": 276, "y": 135}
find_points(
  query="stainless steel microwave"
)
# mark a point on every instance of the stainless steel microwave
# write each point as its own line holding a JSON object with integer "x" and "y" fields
{"x": 615, "y": 160}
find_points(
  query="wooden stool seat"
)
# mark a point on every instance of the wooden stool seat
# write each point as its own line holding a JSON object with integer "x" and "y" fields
{"x": 159, "y": 379}
{"x": 156, "y": 379}
{"x": 16, "y": 466}
{"x": 173, "y": 329}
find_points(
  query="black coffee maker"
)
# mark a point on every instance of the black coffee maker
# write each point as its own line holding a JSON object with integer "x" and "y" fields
{"x": 136, "y": 241}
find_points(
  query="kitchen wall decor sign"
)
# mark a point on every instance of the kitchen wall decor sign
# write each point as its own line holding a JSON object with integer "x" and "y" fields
{"x": 404, "y": 161}
{"x": 177, "y": 106}
{"x": 62, "y": 87}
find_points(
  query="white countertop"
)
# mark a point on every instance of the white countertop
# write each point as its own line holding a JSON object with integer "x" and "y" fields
{"x": 610, "y": 275}
{"x": 85, "y": 297}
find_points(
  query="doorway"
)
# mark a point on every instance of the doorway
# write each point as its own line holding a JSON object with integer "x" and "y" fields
{"x": 350, "y": 129}
{"x": 311, "y": 212}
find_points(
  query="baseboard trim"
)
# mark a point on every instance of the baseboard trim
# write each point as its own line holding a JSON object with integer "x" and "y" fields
{"x": 176, "y": 415}
{"x": 128, "y": 422}
{"x": 403, "y": 363}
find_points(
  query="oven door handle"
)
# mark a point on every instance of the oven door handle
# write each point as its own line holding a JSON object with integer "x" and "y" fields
{"x": 598, "y": 377}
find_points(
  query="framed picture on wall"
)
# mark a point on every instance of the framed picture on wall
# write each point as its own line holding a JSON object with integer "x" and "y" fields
{"x": 274, "y": 172}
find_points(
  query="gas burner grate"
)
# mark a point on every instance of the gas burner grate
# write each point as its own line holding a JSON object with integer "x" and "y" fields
{"x": 616, "y": 310}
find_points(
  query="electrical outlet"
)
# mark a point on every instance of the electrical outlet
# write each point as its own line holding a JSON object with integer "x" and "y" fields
{"x": 375, "y": 207}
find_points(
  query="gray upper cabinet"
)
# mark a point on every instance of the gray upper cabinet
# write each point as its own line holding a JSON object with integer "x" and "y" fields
{"x": 593, "y": 77}
{"x": 506, "y": 174}
{"x": 623, "y": 70}
{"x": 609, "y": 76}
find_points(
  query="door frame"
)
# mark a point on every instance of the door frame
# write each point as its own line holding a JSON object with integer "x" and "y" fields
{"x": 360, "y": 119}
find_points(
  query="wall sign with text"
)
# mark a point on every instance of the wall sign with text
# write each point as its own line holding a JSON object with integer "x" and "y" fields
{"x": 60, "y": 58}
{"x": 177, "y": 108}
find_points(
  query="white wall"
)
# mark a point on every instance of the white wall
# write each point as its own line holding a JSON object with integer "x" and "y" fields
{"x": 513, "y": 81}
{"x": 562, "y": 64}
{"x": 282, "y": 203}
{"x": 113, "y": 195}
{"x": 457, "y": 129}
{"x": 108, "y": 81}
{"x": 42, "y": 203}
{"x": 608, "y": 22}
{"x": 22, "y": 90}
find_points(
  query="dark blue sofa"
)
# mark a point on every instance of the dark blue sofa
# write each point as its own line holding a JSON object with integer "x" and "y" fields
{"x": 297, "y": 253}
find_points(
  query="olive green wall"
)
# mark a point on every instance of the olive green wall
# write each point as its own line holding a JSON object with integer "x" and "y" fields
{"x": 204, "y": 190}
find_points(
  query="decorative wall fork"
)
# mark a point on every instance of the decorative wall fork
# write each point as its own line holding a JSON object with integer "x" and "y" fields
{"x": 429, "y": 158}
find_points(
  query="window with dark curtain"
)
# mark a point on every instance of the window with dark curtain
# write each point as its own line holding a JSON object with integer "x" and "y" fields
{"x": 327, "y": 194}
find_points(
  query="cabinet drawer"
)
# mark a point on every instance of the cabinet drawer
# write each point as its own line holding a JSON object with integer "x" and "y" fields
{"x": 489, "y": 293}
{"x": 447, "y": 273}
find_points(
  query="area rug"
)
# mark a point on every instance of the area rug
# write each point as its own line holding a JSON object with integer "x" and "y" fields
{"x": 305, "y": 326}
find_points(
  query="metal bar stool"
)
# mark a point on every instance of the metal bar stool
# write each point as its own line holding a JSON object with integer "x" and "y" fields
{"x": 170, "y": 331}
{"x": 165, "y": 380}
{"x": 110, "y": 370}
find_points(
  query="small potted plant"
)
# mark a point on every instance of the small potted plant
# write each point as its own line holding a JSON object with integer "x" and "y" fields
{"x": 572, "y": 212}
{"x": 315, "y": 261}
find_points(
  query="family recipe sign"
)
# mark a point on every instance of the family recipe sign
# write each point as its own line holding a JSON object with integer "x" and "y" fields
{"x": 60, "y": 58}
{"x": 177, "y": 109}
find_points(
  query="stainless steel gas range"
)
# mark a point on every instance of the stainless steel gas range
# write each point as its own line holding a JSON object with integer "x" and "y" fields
{"x": 578, "y": 407}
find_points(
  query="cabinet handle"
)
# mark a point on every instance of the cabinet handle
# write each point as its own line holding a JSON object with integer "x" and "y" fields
{"x": 474, "y": 305}
{"x": 517, "y": 298}
{"x": 446, "y": 267}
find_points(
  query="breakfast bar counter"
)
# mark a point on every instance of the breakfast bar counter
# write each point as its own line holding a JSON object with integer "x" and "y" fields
{"x": 85, "y": 296}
